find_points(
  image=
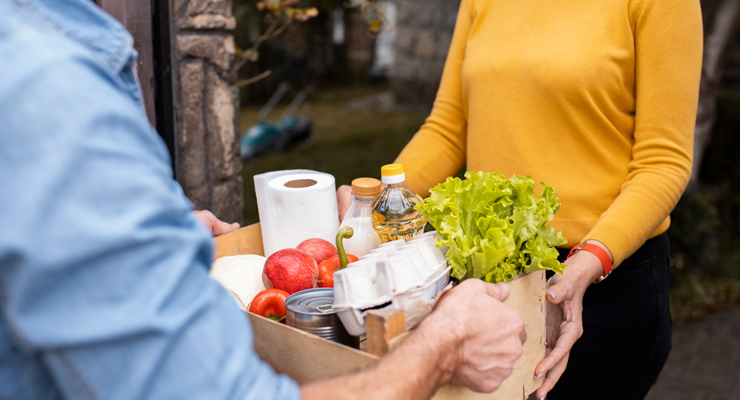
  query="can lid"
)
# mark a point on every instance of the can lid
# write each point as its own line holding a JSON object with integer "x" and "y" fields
{"x": 366, "y": 187}
{"x": 318, "y": 301}
{"x": 391, "y": 170}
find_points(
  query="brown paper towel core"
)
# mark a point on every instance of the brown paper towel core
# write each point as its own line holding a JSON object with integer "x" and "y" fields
{"x": 300, "y": 183}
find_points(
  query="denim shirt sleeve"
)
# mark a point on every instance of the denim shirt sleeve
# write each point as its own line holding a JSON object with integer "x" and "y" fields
{"x": 103, "y": 269}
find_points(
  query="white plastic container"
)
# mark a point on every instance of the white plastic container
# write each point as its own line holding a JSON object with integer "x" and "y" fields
{"x": 364, "y": 239}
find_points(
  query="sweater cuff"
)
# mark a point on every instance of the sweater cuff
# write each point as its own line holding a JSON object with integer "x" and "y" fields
{"x": 621, "y": 244}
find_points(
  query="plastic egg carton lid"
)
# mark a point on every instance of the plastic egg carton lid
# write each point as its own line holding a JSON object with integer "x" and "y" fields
{"x": 356, "y": 286}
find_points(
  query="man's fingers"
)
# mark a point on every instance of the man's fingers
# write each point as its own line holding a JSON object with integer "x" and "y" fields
{"x": 221, "y": 227}
{"x": 523, "y": 336}
{"x": 215, "y": 225}
{"x": 499, "y": 291}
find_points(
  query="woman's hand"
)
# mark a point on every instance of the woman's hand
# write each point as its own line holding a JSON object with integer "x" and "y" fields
{"x": 344, "y": 199}
{"x": 564, "y": 318}
{"x": 215, "y": 225}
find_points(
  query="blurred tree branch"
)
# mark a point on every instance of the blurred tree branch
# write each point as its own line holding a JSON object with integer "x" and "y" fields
{"x": 280, "y": 14}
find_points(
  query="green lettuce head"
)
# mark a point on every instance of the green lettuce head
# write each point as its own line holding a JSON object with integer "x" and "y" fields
{"x": 494, "y": 228}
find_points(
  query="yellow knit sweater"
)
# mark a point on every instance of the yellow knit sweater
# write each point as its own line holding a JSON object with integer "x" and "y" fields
{"x": 595, "y": 97}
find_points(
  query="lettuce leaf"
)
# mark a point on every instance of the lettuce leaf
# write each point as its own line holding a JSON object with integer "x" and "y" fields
{"x": 494, "y": 228}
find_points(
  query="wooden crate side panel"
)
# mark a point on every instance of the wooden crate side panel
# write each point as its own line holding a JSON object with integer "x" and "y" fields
{"x": 247, "y": 240}
{"x": 528, "y": 299}
{"x": 303, "y": 356}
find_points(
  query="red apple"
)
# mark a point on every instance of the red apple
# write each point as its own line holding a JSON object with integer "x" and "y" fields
{"x": 319, "y": 249}
{"x": 291, "y": 270}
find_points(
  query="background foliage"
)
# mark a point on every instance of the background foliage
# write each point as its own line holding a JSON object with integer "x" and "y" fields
{"x": 350, "y": 140}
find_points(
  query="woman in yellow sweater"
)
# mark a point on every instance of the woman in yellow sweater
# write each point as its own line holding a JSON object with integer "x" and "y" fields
{"x": 598, "y": 99}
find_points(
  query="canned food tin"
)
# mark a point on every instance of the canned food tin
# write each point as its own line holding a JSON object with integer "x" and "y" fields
{"x": 312, "y": 311}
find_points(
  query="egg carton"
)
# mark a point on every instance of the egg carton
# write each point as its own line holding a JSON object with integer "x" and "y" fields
{"x": 396, "y": 275}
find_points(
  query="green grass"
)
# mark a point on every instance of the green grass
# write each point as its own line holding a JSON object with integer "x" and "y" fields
{"x": 345, "y": 142}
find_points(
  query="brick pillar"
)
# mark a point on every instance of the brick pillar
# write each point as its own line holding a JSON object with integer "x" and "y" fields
{"x": 209, "y": 168}
{"x": 423, "y": 36}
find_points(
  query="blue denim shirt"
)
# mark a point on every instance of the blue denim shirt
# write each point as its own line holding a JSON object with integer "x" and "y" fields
{"x": 104, "y": 292}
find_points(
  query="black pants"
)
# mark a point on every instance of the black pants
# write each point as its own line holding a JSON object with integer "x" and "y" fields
{"x": 626, "y": 330}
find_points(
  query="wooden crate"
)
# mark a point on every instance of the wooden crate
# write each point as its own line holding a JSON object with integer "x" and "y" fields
{"x": 307, "y": 358}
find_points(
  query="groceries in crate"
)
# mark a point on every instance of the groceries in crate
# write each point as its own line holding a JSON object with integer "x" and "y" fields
{"x": 312, "y": 311}
{"x": 270, "y": 303}
{"x": 495, "y": 228}
{"x": 319, "y": 249}
{"x": 240, "y": 275}
{"x": 358, "y": 216}
{"x": 393, "y": 213}
{"x": 291, "y": 270}
{"x": 396, "y": 275}
{"x": 340, "y": 261}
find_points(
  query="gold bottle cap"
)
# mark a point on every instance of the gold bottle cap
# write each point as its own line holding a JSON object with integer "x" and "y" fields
{"x": 366, "y": 187}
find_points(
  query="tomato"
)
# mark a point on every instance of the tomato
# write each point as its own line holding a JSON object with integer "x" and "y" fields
{"x": 269, "y": 303}
{"x": 327, "y": 268}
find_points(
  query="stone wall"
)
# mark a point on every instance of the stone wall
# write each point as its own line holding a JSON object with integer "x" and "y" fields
{"x": 209, "y": 168}
{"x": 424, "y": 32}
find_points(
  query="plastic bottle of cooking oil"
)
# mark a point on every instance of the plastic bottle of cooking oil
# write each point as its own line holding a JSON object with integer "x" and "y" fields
{"x": 364, "y": 239}
{"x": 394, "y": 216}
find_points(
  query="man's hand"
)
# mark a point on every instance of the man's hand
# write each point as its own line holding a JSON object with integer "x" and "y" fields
{"x": 215, "y": 225}
{"x": 470, "y": 338}
{"x": 487, "y": 335}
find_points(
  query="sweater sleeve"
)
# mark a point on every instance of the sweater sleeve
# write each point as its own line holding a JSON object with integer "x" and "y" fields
{"x": 437, "y": 151}
{"x": 668, "y": 53}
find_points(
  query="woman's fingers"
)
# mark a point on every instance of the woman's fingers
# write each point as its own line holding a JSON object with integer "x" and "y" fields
{"x": 344, "y": 199}
{"x": 569, "y": 333}
{"x": 552, "y": 378}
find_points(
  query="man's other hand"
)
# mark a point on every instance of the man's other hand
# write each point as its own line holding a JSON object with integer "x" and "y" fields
{"x": 215, "y": 225}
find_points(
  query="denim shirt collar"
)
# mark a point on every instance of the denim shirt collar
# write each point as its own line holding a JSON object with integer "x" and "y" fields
{"x": 84, "y": 22}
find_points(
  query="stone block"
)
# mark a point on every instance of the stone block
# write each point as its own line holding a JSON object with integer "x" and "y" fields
{"x": 207, "y": 21}
{"x": 227, "y": 201}
{"x": 196, "y": 7}
{"x": 215, "y": 48}
{"x": 200, "y": 197}
{"x": 220, "y": 109}
{"x": 177, "y": 5}
{"x": 191, "y": 139}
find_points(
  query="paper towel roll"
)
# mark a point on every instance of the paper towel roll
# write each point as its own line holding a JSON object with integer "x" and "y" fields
{"x": 295, "y": 205}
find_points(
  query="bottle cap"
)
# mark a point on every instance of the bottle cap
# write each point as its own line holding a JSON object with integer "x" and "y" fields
{"x": 366, "y": 187}
{"x": 391, "y": 169}
{"x": 392, "y": 173}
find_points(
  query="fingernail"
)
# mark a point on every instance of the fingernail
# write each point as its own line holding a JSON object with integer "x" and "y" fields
{"x": 539, "y": 376}
{"x": 553, "y": 294}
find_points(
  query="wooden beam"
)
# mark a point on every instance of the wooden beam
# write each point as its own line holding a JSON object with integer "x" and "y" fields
{"x": 384, "y": 327}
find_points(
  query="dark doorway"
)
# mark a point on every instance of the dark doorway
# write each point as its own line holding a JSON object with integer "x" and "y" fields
{"x": 149, "y": 22}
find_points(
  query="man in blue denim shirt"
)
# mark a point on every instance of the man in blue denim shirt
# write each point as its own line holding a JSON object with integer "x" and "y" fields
{"x": 104, "y": 292}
